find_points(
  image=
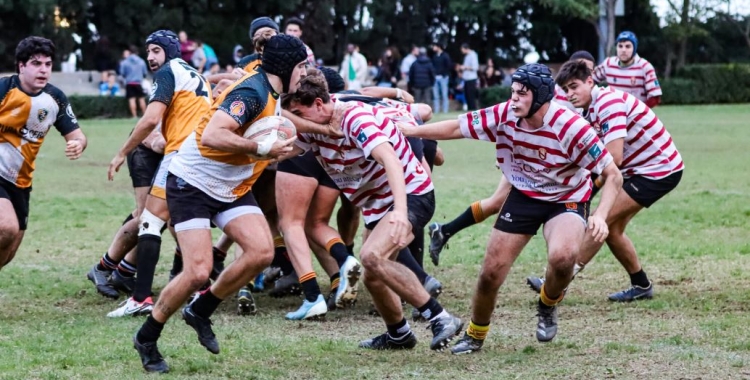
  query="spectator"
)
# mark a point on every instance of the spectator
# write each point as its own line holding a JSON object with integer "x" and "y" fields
{"x": 294, "y": 28}
{"x": 422, "y": 77}
{"x": 133, "y": 70}
{"x": 469, "y": 71}
{"x": 406, "y": 64}
{"x": 103, "y": 59}
{"x": 199, "y": 56}
{"x": 490, "y": 76}
{"x": 228, "y": 68}
{"x": 354, "y": 68}
{"x": 215, "y": 68}
{"x": 187, "y": 47}
{"x": 239, "y": 52}
{"x": 443, "y": 65}
{"x": 388, "y": 71}
{"x": 211, "y": 57}
{"x": 110, "y": 87}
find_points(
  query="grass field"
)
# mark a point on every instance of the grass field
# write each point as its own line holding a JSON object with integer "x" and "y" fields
{"x": 694, "y": 244}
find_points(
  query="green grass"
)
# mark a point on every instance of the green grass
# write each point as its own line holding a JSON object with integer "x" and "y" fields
{"x": 694, "y": 244}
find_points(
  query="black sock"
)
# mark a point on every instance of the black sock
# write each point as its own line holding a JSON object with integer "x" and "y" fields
{"x": 398, "y": 329}
{"x": 543, "y": 305}
{"x": 177, "y": 262}
{"x": 430, "y": 309}
{"x": 350, "y": 249}
{"x": 150, "y": 331}
{"x": 218, "y": 254}
{"x": 310, "y": 286}
{"x": 281, "y": 258}
{"x": 335, "y": 281}
{"x": 129, "y": 218}
{"x": 466, "y": 219}
{"x": 406, "y": 259}
{"x": 107, "y": 263}
{"x": 148, "y": 256}
{"x": 640, "y": 279}
{"x": 338, "y": 251}
{"x": 126, "y": 269}
{"x": 416, "y": 247}
{"x": 206, "y": 304}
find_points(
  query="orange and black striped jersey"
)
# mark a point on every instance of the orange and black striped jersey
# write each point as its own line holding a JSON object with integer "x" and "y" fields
{"x": 187, "y": 96}
{"x": 223, "y": 175}
{"x": 24, "y": 122}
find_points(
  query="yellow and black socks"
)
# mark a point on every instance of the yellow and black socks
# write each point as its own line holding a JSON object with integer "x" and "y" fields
{"x": 310, "y": 288}
{"x": 218, "y": 255}
{"x": 338, "y": 251}
{"x": 546, "y": 301}
{"x": 471, "y": 216}
{"x": 477, "y": 331}
{"x": 280, "y": 256}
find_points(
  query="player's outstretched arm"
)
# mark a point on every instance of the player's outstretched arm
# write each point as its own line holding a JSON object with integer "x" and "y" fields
{"x": 145, "y": 126}
{"x": 442, "y": 130}
{"x": 597, "y": 223}
{"x": 75, "y": 144}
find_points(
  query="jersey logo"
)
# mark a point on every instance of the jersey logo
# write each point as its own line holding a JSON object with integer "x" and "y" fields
{"x": 475, "y": 117}
{"x": 595, "y": 151}
{"x": 632, "y": 81}
{"x": 571, "y": 206}
{"x": 656, "y": 83}
{"x": 42, "y": 114}
{"x": 237, "y": 108}
{"x": 361, "y": 137}
{"x": 69, "y": 112}
{"x": 419, "y": 169}
{"x": 153, "y": 91}
{"x": 605, "y": 127}
{"x": 542, "y": 154}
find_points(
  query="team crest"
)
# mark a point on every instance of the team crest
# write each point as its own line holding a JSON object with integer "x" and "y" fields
{"x": 361, "y": 137}
{"x": 571, "y": 206}
{"x": 71, "y": 115}
{"x": 632, "y": 81}
{"x": 237, "y": 108}
{"x": 542, "y": 153}
{"x": 42, "y": 114}
{"x": 597, "y": 128}
{"x": 605, "y": 127}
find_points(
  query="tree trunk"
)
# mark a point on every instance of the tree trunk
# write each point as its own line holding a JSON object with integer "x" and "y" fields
{"x": 685, "y": 26}
{"x": 668, "y": 67}
{"x": 610, "y": 26}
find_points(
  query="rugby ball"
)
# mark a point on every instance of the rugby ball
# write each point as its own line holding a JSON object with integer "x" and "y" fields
{"x": 269, "y": 129}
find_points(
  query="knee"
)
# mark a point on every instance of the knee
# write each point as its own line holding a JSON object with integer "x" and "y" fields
{"x": 561, "y": 261}
{"x": 490, "y": 278}
{"x": 265, "y": 256}
{"x": 370, "y": 260}
{"x": 197, "y": 274}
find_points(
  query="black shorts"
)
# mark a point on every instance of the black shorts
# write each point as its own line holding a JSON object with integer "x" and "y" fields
{"x": 430, "y": 151}
{"x": 523, "y": 215}
{"x": 143, "y": 164}
{"x": 307, "y": 165}
{"x": 420, "y": 209}
{"x": 187, "y": 203}
{"x": 19, "y": 198}
{"x": 134, "y": 91}
{"x": 646, "y": 191}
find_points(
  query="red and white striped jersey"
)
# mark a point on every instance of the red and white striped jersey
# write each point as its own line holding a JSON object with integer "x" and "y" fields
{"x": 638, "y": 79}
{"x": 552, "y": 163}
{"x": 310, "y": 56}
{"x": 562, "y": 99}
{"x": 348, "y": 160}
{"x": 648, "y": 149}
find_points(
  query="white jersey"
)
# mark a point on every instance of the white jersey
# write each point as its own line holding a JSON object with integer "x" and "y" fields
{"x": 648, "y": 149}
{"x": 552, "y": 163}
{"x": 638, "y": 79}
{"x": 348, "y": 160}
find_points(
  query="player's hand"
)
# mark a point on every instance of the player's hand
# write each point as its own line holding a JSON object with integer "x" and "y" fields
{"x": 598, "y": 228}
{"x": 334, "y": 126}
{"x": 407, "y": 97}
{"x": 114, "y": 166}
{"x": 407, "y": 129}
{"x": 281, "y": 148}
{"x": 400, "y": 228}
{"x": 239, "y": 71}
{"x": 73, "y": 149}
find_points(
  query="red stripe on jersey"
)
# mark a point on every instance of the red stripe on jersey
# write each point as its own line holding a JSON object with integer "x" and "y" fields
{"x": 470, "y": 119}
{"x": 578, "y": 188}
{"x": 376, "y": 211}
{"x": 637, "y": 152}
{"x": 555, "y": 117}
{"x": 575, "y": 139}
